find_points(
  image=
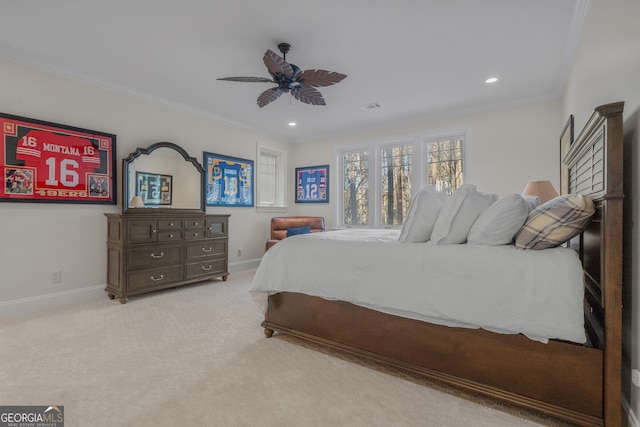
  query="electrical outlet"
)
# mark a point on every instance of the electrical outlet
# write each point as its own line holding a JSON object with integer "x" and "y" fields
{"x": 635, "y": 377}
{"x": 56, "y": 277}
{"x": 239, "y": 252}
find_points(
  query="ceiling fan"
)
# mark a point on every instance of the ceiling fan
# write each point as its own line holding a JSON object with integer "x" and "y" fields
{"x": 289, "y": 78}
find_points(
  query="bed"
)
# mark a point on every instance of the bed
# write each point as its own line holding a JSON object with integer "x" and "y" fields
{"x": 514, "y": 354}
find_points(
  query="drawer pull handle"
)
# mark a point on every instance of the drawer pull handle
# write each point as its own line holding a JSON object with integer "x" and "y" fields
{"x": 207, "y": 268}
{"x": 170, "y": 224}
{"x": 157, "y": 256}
{"x": 207, "y": 250}
{"x": 154, "y": 230}
{"x": 195, "y": 223}
{"x": 157, "y": 279}
{"x": 171, "y": 236}
{"x": 195, "y": 234}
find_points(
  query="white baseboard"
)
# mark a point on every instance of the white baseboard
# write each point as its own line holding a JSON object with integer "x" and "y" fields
{"x": 39, "y": 303}
{"x": 633, "y": 419}
{"x": 244, "y": 265}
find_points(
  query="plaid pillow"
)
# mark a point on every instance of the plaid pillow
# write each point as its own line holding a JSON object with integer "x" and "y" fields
{"x": 555, "y": 222}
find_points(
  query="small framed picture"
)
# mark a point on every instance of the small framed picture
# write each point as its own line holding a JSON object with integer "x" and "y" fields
{"x": 154, "y": 189}
{"x": 312, "y": 184}
{"x": 229, "y": 180}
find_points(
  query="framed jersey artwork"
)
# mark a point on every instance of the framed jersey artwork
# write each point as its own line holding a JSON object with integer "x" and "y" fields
{"x": 229, "y": 180}
{"x": 154, "y": 188}
{"x": 48, "y": 162}
{"x": 312, "y": 184}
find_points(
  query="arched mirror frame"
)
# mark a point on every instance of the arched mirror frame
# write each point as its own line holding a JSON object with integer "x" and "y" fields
{"x": 147, "y": 151}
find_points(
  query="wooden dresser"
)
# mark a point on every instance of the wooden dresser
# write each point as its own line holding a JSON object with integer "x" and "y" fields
{"x": 152, "y": 249}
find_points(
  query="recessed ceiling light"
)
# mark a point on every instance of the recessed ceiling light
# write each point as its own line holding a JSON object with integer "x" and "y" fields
{"x": 292, "y": 124}
{"x": 371, "y": 106}
{"x": 491, "y": 80}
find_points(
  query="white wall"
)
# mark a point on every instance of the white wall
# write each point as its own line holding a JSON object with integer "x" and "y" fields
{"x": 508, "y": 148}
{"x": 606, "y": 68}
{"x": 40, "y": 238}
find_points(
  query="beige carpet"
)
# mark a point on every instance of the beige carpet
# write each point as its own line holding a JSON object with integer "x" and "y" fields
{"x": 197, "y": 356}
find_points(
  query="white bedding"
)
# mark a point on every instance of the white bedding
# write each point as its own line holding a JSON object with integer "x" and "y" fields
{"x": 497, "y": 288}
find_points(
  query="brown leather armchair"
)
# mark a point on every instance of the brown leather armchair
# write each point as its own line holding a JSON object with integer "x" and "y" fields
{"x": 279, "y": 226}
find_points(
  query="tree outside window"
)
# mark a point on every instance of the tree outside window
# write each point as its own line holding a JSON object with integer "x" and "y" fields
{"x": 396, "y": 184}
{"x": 444, "y": 164}
{"x": 356, "y": 188}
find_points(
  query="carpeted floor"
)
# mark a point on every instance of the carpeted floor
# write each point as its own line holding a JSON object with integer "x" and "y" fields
{"x": 197, "y": 356}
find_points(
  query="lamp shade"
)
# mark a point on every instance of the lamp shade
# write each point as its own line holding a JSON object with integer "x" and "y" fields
{"x": 136, "y": 202}
{"x": 543, "y": 189}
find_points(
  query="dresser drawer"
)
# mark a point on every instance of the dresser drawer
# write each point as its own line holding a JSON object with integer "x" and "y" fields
{"x": 206, "y": 268}
{"x": 195, "y": 222}
{"x": 153, "y": 255}
{"x": 207, "y": 249}
{"x": 169, "y": 235}
{"x": 154, "y": 277}
{"x": 195, "y": 233}
{"x": 169, "y": 224}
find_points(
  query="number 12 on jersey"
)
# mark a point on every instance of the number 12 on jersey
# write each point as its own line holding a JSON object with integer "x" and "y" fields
{"x": 312, "y": 184}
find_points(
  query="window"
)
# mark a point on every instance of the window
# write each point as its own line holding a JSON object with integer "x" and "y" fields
{"x": 267, "y": 168}
{"x": 355, "y": 192}
{"x": 444, "y": 163}
{"x": 395, "y": 176}
{"x": 379, "y": 178}
{"x": 271, "y": 179}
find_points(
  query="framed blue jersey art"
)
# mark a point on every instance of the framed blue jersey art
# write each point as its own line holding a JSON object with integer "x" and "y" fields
{"x": 229, "y": 180}
{"x": 312, "y": 184}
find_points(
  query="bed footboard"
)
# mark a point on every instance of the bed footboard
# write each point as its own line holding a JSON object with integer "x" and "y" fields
{"x": 559, "y": 379}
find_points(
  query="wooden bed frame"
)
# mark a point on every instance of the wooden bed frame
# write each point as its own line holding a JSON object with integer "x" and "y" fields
{"x": 577, "y": 383}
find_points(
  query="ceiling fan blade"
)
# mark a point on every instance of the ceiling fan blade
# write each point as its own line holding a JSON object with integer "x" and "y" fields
{"x": 276, "y": 65}
{"x": 319, "y": 78}
{"x": 308, "y": 95}
{"x": 247, "y": 79}
{"x": 269, "y": 96}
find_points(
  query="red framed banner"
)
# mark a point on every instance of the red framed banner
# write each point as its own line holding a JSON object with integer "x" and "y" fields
{"x": 49, "y": 162}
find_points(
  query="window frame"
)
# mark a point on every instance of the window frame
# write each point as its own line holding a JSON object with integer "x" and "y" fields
{"x": 340, "y": 152}
{"x": 280, "y": 204}
{"x": 418, "y": 141}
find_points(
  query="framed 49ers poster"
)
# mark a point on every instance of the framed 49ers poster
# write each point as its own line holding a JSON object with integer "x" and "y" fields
{"x": 48, "y": 162}
{"x": 312, "y": 184}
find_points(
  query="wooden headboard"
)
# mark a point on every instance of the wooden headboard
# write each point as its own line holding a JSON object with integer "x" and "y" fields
{"x": 594, "y": 167}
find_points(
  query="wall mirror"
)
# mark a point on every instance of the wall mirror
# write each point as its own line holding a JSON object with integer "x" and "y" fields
{"x": 162, "y": 176}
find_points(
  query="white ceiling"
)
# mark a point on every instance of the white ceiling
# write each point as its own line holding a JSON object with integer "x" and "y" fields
{"x": 418, "y": 59}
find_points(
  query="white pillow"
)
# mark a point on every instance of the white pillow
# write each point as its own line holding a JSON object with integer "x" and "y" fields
{"x": 500, "y": 222}
{"x": 422, "y": 215}
{"x": 458, "y": 214}
{"x": 532, "y": 202}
